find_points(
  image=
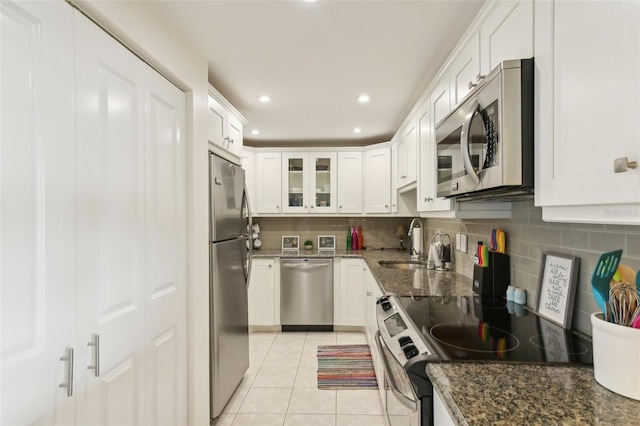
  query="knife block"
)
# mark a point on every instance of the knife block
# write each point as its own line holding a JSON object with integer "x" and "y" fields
{"x": 492, "y": 282}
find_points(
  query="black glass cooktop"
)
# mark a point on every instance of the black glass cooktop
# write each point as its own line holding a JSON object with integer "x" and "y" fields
{"x": 470, "y": 328}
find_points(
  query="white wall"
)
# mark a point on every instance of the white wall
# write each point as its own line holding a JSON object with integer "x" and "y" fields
{"x": 147, "y": 31}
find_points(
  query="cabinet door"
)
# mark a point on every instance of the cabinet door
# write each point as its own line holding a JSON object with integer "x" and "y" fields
{"x": 377, "y": 182}
{"x": 323, "y": 182}
{"x": 441, "y": 98}
{"x": 427, "y": 200}
{"x": 351, "y": 293}
{"x": 234, "y": 135}
{"x": 268, "y": 182}
{"x": 295, "y": 180}
{"x": 584, "y": 125}
{"x": 166, "y": 251}
{"x": 395, "y": 176}
{"x": 350, "y": 182}
{"x": 248, "y": 164}
{"x": 410, "y": 143}
{"x": 465, "y": 69}
{"x": 506, "y": 33}
{"x": 111, "y": 227}
{"x": 216, "y": 123}
{"x": 262, "y": 293}
{"x": 37, "y": 212}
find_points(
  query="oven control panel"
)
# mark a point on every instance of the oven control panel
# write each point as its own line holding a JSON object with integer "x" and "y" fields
{"x": 401, "y": 336}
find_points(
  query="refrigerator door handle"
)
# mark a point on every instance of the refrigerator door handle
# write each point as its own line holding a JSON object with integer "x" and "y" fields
{"x": 248, "y": 237}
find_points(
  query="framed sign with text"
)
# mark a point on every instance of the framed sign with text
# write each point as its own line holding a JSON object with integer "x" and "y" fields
{"x": 557, "y": 287}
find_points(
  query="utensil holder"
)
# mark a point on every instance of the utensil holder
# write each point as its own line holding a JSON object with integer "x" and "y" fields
{"x": 616, "y": 356}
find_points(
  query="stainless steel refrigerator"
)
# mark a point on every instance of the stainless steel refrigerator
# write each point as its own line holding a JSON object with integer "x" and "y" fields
{"x": 229, "y": 268}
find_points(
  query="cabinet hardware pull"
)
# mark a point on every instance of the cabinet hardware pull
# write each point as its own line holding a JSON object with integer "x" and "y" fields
{"x": 622, "y": 164}
{"x": 69, "y": 358}
{"x": 472, "y": 85}
{"x": 480, "y": 77}
{"x": 95, "y": 342}
{"x": 386, "y": 206}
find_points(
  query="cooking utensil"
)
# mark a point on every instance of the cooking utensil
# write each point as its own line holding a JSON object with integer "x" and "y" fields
{"x": 603, "y": 272}
{"x": 623, "y": 301}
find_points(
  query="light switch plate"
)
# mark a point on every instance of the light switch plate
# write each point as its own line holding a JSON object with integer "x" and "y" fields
{"x": 463, "y": 243}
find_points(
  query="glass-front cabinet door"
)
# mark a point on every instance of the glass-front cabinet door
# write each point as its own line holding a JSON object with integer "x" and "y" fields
{"x": 295, "y": 181}
{"x": 323, "y": 183}
{"x": 309, "y": 182}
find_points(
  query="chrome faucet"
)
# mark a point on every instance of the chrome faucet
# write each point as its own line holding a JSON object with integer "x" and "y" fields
{"x": 416, "y": 250}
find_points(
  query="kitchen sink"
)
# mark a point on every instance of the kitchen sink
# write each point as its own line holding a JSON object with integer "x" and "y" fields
{"x": 403, "y": 264}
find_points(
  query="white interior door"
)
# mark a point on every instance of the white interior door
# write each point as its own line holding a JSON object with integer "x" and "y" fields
{"x": 37, "y": 212}
{"x": 111, "y": 228}
{"x": 166, "y": 230}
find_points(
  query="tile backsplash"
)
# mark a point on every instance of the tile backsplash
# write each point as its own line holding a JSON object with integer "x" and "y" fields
{"x": 527, "y": 237}
{"x": 377, "y": 232}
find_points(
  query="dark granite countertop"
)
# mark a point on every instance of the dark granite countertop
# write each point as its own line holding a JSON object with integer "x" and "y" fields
{"x": 478, "y": 394}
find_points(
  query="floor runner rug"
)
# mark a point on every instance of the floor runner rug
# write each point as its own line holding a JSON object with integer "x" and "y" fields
{"x": 345, "y": 367}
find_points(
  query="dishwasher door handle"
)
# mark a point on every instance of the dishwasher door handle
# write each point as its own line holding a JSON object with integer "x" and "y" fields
{"x": 305, "y": 266}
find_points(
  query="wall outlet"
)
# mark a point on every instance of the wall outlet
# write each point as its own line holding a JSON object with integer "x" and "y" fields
{"x": 463, "y": 243}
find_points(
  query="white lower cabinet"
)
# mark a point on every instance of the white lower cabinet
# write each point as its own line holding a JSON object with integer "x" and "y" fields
{"x": 348, "y": 291}
{"x": 264, "y": 292}
{"x": 441, "y": 416}
{"x": 93, "y": 225}
{"x": 373, "y": 293}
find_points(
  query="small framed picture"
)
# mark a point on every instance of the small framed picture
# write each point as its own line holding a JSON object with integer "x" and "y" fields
{"x": 326, "y": 242}
{"x": 557, "y": 287}
{"x": 290, "y": 242}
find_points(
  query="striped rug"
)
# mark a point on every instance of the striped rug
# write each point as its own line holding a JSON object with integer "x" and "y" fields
{"x": 345, "y": 367}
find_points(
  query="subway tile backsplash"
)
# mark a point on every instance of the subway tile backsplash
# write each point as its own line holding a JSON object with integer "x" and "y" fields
{"x": 377, "y": 232}
{"x": 527, "y": 237}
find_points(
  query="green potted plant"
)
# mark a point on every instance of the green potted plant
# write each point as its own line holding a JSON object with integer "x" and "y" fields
{"x": 308, "y": 245}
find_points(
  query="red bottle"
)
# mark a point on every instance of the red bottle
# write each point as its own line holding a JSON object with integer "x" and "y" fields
{"x": 354, "y": 238}
{"x": 360, "y": 238}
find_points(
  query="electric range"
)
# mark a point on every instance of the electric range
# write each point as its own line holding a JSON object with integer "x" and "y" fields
{"x": 413, "y": 331}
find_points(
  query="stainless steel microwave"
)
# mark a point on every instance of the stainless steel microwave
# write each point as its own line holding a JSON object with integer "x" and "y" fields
{"x": 485, "y": 145}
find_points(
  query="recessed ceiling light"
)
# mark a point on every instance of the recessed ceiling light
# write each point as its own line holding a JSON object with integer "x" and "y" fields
{"x": 356, "y": 130}
{"x": 265, "y": 98}
{"x": 363, "y": 99}
{"x": 255, "y": 132}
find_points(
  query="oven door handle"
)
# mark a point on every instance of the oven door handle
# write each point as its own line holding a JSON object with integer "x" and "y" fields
{"x": 464, "y": 143}
{"x": 404, "y": 400}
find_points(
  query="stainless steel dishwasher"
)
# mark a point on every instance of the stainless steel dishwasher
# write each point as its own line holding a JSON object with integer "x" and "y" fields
{"x": 306, "y": 294}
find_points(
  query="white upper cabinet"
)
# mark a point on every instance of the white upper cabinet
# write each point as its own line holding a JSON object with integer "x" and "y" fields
{"x": 350, "y": 179}
{"x": 377, "y": 180}
{"x": 225, "y": 127}
{"x": 427, "y": 199}
{"x": 407, "y": 161}
{"x": 441, "y": 98}
{"x": 248, "y": 164}
{"x": 309, "y": 180}
{"x": 465, "y": 69}
{"x": 587, "y": 109}
{"x": 268, "y": 182}
{"x": 506, "y": 33}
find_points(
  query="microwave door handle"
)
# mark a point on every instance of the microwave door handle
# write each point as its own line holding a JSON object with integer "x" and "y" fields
{"x": 404, "y": 400}
{"x": 464, "y": 143}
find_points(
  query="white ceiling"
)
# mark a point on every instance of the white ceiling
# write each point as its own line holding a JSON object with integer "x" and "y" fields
{"x": 314, "y": 58}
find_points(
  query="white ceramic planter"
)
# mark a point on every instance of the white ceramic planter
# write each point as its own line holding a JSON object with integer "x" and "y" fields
{"x": 616, "y": 356}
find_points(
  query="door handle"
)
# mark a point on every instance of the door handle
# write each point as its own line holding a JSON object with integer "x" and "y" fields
{"x": 404, "y": 400}
{"x": 95, "y": 343}
{"x": 69, "y": 359}
{"x": 464, "y": 143}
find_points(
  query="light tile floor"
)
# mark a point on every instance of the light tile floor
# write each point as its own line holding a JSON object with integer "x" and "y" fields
{"x": 281, "y": 388}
